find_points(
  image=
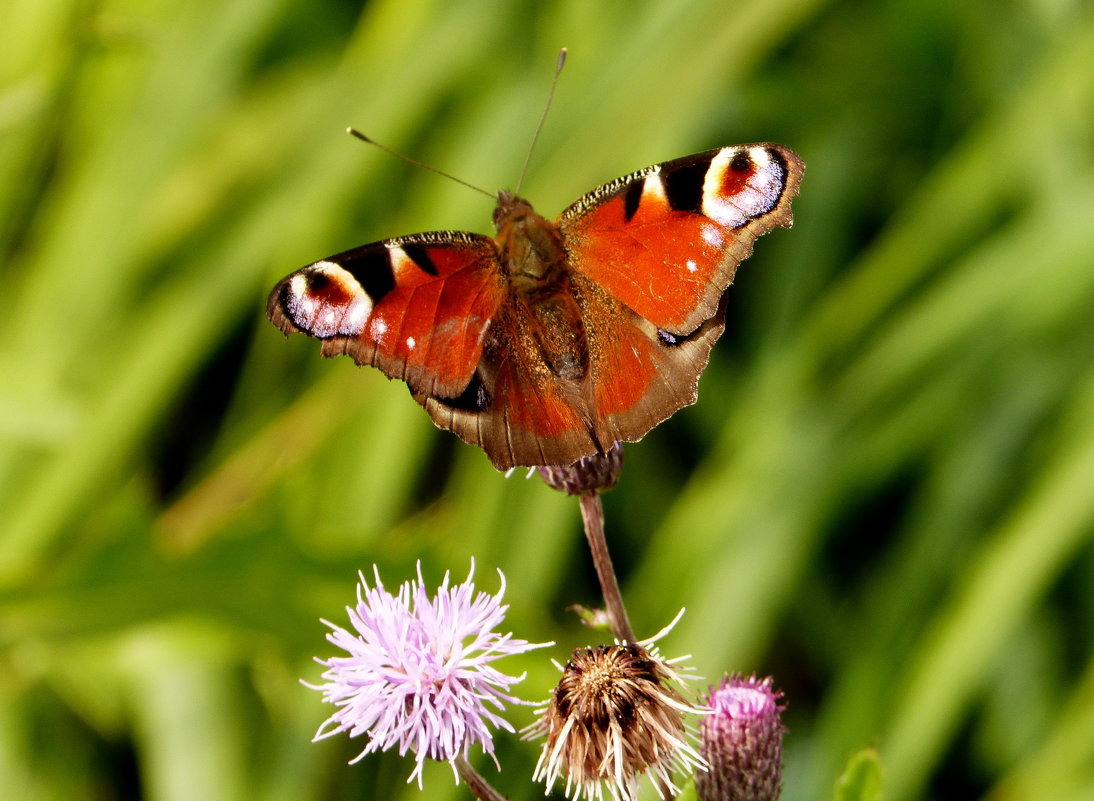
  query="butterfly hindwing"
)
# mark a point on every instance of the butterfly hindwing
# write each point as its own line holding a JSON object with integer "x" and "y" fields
{"x": 417, "y": 307}
{"x": 667, "y": 240}
{"x": 641, "y": 374}
{"x": 634, "y": 377}
{"x": 514, "y": 412}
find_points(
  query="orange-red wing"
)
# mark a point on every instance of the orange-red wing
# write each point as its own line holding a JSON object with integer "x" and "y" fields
{"x": 417, "y": 307}
{"x": 640, "y": 374}
{"x": 667, "y": 240}
{"x": 515, "y": 408}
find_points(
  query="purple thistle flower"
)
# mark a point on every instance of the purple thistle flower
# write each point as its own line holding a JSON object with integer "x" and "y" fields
{"x": 742, "y": 741}
{"x": 419, "y": 675}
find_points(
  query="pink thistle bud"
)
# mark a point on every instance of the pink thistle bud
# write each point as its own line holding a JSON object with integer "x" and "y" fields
{"x": 741, "y": 740}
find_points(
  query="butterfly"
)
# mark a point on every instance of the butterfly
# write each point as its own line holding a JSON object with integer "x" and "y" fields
{"x": 554, "y": 340}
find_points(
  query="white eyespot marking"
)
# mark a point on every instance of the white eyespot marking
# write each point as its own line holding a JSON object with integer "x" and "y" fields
{"x": 299, "y": 302}
{"x": 401, "y": 263}
{"x": 356, "y": 316}
{"x": 760, "y": 156}
{"x": 326, "y": 301}
{"x": 742, "y": 183}
{"x": 713, "y": 236}
{"x": 410, "y": 343}
{"x": 653, "y": 190}
{"x": 692, "y": 266}
{"x": 378, "y": 328}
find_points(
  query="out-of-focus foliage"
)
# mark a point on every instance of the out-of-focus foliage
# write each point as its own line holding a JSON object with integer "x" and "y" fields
{"x": 862, "y": 780}
{"x": 884, "y": 498}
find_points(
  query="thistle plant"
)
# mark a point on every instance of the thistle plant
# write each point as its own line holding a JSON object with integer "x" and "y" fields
{"x": 419, "y": 677}
{"x": 741, "y": 741}
{"x": 419, "y": 674}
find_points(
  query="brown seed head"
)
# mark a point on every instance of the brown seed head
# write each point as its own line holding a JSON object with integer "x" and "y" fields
{"x": 613, "y": 716}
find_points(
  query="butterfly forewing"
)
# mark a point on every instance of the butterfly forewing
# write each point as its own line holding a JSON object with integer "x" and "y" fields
{"x": 667, "y": 240}
{"x": 416, "y": 307}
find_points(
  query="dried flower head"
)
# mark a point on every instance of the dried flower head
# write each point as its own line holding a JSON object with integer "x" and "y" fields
{"x": 586, "y": 476}
{"x": 741, "y": 741}
{"x": 419, "y": 673}
{"x": 615, "y": 714}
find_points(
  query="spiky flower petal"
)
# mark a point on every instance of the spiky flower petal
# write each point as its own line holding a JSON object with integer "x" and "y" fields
{"x": 419, "y": 672}
{"x": 741, "y": 741}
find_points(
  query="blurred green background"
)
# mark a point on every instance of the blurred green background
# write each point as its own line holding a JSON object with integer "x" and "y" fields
{"x": 884, "y": 498}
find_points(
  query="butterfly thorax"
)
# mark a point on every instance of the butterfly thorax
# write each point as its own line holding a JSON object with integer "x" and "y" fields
{"x": 530, "y": 245}
{"x": 534, "y": 257}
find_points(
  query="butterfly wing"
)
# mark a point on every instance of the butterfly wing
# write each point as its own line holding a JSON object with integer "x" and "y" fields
{"x": 641, "y": 374}
{"x": 515, "y": 409}
{"x": 652, "y": 254}
{"x": 666, "y": 240}
{"x": 416, "y": 307}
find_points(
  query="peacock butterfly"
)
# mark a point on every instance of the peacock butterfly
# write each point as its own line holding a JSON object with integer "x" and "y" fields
{"x": 554, "y": 340}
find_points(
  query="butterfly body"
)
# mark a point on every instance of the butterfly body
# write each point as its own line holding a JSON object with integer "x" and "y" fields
{"x": 555, "y": 339}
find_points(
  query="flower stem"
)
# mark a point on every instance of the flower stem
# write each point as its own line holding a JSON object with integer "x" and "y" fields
{"x": 478, "y": 786}
{"x": 592, "y": 515}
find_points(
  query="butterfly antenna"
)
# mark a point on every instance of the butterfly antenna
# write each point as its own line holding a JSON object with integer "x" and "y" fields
{"x": 542, "y": 118}
{"x": 415, "y": 162}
